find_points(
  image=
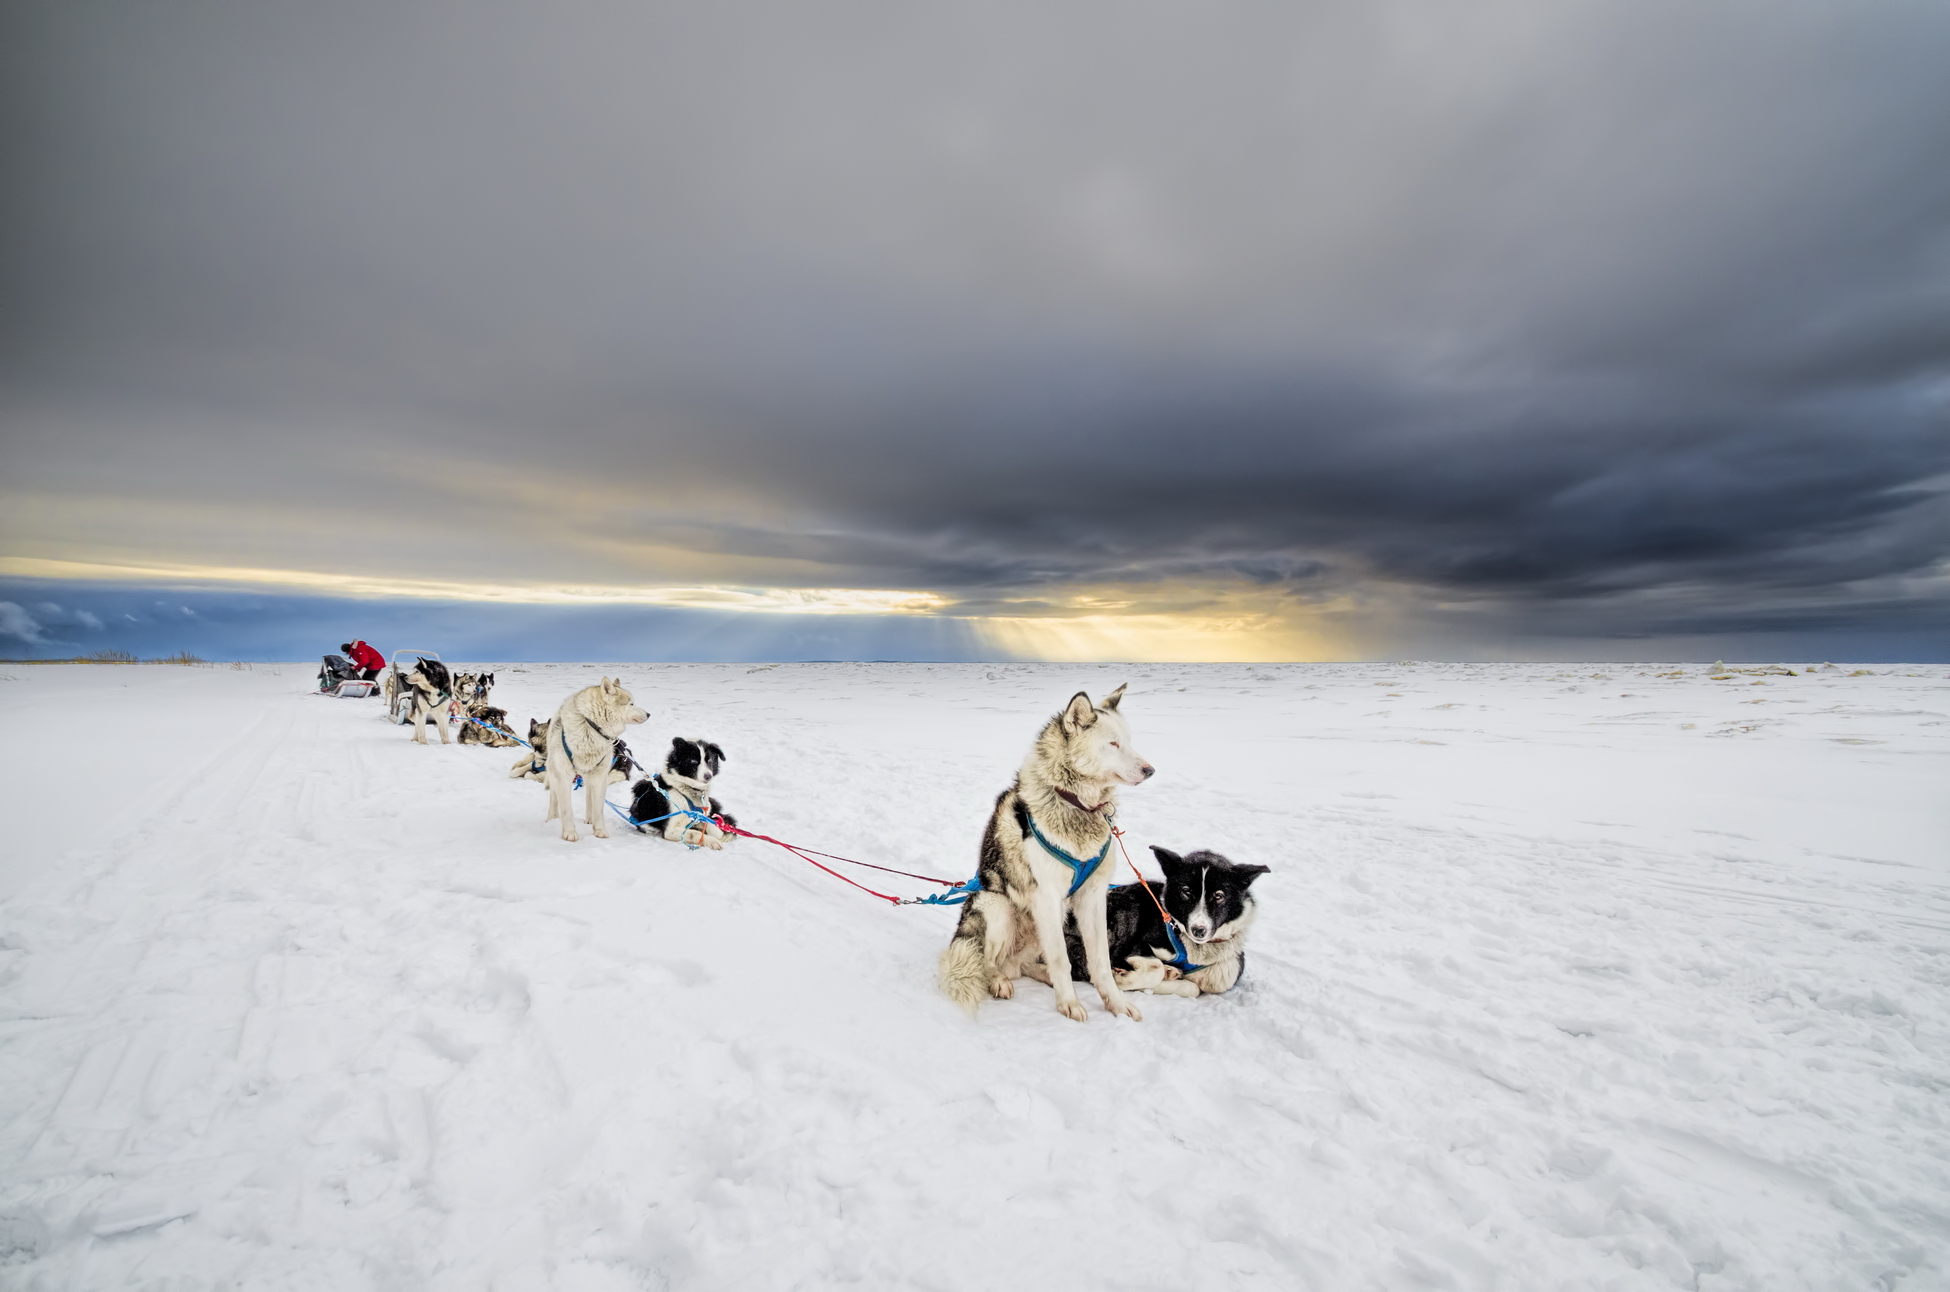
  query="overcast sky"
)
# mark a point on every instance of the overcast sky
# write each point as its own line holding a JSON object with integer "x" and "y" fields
{"x": 1135, "y": 330}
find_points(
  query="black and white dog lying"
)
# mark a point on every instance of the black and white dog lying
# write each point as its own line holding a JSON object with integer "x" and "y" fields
{"x": 1210, "y": 901}
{"x": 684, "y": 785}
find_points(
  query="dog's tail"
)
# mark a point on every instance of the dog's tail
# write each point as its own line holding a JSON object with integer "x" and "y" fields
{"x": 963, "y": 972}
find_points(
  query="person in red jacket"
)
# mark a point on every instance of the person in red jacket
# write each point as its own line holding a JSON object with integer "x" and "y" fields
{"x": 365, "y": 657}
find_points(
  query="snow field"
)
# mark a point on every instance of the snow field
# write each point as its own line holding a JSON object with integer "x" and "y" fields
{"x": 1566, "y": 977}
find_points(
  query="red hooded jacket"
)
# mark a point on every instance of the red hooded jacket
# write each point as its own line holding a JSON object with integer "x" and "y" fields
{"x": 366, "y": 657}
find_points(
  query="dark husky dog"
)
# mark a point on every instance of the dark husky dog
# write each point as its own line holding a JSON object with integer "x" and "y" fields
{"x": 437, "y": 677}
{"x": 1209, "y": 900}
{"x": 495, "y": 734}
{"x": 430, "y": 688}
{"x": 682, "y": 785}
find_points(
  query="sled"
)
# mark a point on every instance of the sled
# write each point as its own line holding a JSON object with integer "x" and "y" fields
{"x": 399, "y": 707}
{"x": 339, "y": 678}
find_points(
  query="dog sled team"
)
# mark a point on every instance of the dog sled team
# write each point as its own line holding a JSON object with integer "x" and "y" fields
{"x": 1042, "y": 904}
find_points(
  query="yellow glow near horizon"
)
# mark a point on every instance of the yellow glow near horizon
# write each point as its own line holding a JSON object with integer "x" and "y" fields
{"x": 1176, "y": 639}
{"x": 1177, "y": 623}
{"x": 805, "y": 601}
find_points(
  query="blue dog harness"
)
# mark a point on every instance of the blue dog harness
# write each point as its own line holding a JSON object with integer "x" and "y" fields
{"x": 559, "y": 735}
{"x": 1181, "y": 960}
{"x": 1080, "y": 867}
{"x": 571, "y": 753}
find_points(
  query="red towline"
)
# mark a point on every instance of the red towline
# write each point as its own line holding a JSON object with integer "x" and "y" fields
{"x": 807, "y": 855}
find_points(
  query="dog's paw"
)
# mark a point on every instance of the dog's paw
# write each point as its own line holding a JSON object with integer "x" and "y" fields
{"x": 601, "y": 832}
{"x": 1002, "y": 988}
{"x": 1118, "y": 1003}
{"x": 1072, "y": 1009}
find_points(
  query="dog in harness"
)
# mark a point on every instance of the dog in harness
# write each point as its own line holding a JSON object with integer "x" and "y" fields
{"x": 489, "y": 725}
{"x": 664, "y": 801}
{"x": 432, "y": 687}
{"x": 581, "y": 742}
{"x": 1201, "y": 947}
{"x": 1042, "y": 862}
{"x": 533, "y": 763}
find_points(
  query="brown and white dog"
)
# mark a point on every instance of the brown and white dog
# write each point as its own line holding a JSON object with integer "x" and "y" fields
{"x": 1045, "y": 856}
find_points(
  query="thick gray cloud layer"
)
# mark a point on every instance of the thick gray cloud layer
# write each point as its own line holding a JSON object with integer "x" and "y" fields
{"x": 1593, "y": 318}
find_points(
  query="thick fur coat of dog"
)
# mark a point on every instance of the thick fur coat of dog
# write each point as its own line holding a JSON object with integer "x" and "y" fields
{"x": 495, "y": 734}
{"x": 1209, "y": 900}
{"x": 684, "y": 784}
{"x": 535, "y": 758}
{"x": 473, "y": 688}
{"x": 1044, "y": 856}
{"x": 533, "y": 763}
{"x": 431, "y": 687}
{"x": 581, "y": 741}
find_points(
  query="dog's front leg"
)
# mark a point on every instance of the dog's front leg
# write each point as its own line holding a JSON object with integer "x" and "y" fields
{"x": 1093, "y": 929}
{"x": 595, "y": 783}
{"x": 1145, "y": 974}
{"x": 1047, "y": 903}
{"x": 562, "y": 803}
{"x": 999, "y": 938}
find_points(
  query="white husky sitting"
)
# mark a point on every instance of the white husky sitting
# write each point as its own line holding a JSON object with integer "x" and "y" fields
{"x": 582, "y": 742}
{"x": 1046, "y": 853}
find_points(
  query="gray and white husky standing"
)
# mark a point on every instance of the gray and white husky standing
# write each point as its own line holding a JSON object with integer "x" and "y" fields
{"x": 582, "y": 742}
{"x": 1045, "y": 854}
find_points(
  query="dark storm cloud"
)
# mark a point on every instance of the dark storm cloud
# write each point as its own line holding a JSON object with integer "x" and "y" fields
{"x": 1591, "y": 316}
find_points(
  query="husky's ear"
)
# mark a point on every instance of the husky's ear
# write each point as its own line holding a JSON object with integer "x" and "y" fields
{"x": 1110, "y": 701}
{"x": 1247, "y": 874}
{"x": 715, "y": 752}
{"x": 1079, "y": 713}
{"x": 678, "y": 743}
{"x": 1166, "y": 857}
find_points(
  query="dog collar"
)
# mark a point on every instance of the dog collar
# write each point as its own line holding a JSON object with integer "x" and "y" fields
{"x": 1077, "y": 803}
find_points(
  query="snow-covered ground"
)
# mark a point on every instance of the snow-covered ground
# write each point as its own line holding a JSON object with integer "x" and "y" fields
{"x": 1566, "y": 977}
